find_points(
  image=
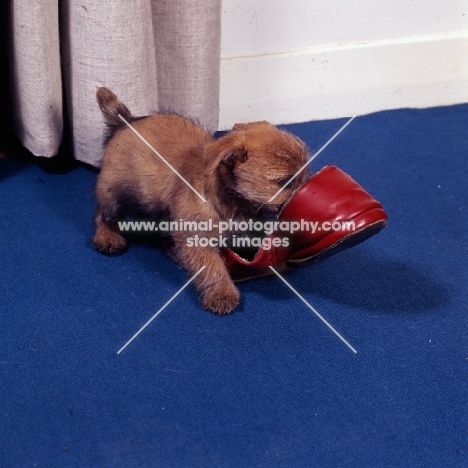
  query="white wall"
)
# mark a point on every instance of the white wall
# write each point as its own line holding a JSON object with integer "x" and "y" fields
{"x": 302, "y": 60}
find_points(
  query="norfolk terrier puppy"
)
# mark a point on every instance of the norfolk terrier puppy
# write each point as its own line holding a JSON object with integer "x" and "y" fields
{"x": 194, "y": 178}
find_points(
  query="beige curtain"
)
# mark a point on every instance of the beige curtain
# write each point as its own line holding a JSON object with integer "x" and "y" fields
{"x": 154, "y": 54}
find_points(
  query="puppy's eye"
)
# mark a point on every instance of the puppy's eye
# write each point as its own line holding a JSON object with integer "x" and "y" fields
{"x": 286, "y": 180}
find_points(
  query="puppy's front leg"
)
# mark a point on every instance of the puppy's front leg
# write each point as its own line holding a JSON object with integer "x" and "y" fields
{"x": 214, "y": 284}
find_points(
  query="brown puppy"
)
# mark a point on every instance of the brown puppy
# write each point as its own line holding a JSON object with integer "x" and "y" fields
{"x": 236, "y": 174}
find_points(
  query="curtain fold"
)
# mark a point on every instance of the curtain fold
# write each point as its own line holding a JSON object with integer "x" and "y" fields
{"x": 105, "y": 44}
{"x": 36, "y": 76}
{"x": 188, "y": 38}
{"x": 154, "y": 54}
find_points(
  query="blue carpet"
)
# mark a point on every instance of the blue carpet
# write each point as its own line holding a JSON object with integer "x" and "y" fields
{"x": 270, "y": 385}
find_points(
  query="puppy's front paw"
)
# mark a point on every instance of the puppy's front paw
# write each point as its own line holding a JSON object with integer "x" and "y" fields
{"x": 222, "y": 300}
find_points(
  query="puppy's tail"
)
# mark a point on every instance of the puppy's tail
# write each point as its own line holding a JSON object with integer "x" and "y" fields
{"x": 111, "y": 108}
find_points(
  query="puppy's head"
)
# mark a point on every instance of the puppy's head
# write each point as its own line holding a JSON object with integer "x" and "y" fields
{"x": 254, "y": 161}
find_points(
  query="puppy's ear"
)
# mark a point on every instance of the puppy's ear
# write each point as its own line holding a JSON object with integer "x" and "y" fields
{"x": 228, "y": 150}
{"x": 246, "y": 126}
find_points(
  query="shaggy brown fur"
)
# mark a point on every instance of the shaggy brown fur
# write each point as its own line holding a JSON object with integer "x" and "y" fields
{"x": 237, "y": 174}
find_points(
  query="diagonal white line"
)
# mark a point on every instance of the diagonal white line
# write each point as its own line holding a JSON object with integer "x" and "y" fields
{"x": 313, "y": 310}
{"x": 161, "y": 309}
{"x": 164, "y": 160}
{"x": 312, "y": 158}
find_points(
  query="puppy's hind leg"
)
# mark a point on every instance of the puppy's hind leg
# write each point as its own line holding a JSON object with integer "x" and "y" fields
{"x": 106, "y": 238}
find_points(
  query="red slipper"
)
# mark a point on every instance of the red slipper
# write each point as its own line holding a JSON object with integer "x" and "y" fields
{"x": 332, "y": 212}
